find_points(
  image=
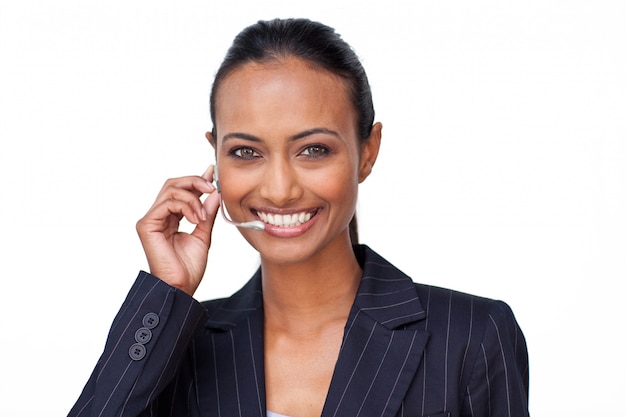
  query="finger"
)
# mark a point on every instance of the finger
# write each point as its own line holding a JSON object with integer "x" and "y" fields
{"x": 160, "y": 215}
{"x": 209, "y": 175}
{"x": 212, "y": 204}
{"x": 191, "y": 197}
{"x": 204, "y": 228}
{"x": 194, "y": 184}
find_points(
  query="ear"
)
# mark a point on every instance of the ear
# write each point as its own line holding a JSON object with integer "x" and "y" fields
{"x": 211, "y": 139}
{"x": 369, "y": 151}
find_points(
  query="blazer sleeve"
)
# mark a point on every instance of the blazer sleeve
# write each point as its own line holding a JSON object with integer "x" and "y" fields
{"x": 498, "y": 385}
{"x": 147, "y": 341}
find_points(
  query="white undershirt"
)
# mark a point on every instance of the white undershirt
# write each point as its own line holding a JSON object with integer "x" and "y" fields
{"x": 270, "y": 414}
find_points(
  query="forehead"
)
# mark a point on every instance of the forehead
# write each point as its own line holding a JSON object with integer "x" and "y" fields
{"x": 287, "y": 69}
{"x": 288, "y": 90}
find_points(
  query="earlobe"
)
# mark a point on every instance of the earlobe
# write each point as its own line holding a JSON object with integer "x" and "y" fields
{"x": 210, "y": 138}
{"x": 369, "y": 151}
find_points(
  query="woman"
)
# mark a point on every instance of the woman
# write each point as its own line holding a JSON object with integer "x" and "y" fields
{"x": 324, "y": 327}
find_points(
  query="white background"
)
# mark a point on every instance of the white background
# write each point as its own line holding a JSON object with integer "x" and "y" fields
{"x": 502, "y": 170}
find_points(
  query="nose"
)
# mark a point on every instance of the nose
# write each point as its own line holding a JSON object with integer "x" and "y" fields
{"x": 280, "y": 184}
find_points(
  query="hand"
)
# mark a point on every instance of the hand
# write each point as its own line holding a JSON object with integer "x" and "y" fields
{"x": 176, "y": 257}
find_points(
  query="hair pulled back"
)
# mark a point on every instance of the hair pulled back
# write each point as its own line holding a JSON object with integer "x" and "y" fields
{"x": 311, "y": 41}
{"x": 314, "y": 42}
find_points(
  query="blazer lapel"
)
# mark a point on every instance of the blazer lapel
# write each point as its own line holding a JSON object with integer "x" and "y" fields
{"x": 379, "y": 355}
{"x": 235, "y": 380}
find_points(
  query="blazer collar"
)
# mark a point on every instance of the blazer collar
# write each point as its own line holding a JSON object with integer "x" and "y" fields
{"x": 385, "y": 294}
{"x": 235, "y": 309}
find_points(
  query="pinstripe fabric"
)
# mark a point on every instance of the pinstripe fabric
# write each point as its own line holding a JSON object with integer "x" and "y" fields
{"x": 408, "y": 350}
{"x": 120, "y": 385}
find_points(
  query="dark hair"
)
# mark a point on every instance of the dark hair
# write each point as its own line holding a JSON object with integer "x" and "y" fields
{"x": 311, "y": 41}
{"x": 308, "y": 40}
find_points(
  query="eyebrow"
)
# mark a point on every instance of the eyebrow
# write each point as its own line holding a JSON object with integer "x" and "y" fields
{"x": 314, "y": 131}
{"x": 297, "y": 136}
{"x": 237, "y": 135}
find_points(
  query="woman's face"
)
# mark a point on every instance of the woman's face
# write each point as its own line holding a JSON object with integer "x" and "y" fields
{"x": 288, "y": 154}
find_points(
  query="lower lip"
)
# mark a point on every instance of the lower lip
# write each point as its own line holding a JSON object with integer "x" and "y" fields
{"x": 289, "y": 232}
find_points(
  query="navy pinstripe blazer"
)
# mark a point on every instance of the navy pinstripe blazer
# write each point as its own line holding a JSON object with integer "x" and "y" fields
{"x": 408, "y": 350}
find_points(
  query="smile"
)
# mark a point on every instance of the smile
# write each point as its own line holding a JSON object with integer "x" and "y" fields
{"x": 286, "y": 220}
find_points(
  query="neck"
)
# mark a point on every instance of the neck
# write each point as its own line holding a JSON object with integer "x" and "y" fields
{"x": 310, "y": 295}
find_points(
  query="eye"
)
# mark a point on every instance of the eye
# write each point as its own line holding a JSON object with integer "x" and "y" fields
{"x": 315, "y": 151}
{"x": 244, "y": 153}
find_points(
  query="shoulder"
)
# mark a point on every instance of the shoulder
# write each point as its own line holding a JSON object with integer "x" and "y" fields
{"x": 436, "y": 298}
{"x": 433, "y": 298}
{"x": 448, "y": 310}
{"x": 458, "y": 315}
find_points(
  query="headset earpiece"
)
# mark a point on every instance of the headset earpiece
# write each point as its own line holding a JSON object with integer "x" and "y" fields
{"x": 216, "y": 179}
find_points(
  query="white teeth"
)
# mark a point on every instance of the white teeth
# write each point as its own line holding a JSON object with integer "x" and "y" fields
{"x": 285, "y": 220}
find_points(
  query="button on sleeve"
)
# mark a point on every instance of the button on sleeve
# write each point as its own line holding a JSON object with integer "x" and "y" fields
{"x": 151, "y": 320}
{"x": 143, "y": 335}
{"x": 137, "y": 352}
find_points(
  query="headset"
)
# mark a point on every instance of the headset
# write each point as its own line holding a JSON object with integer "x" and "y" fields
{"x": 253, "y": 225}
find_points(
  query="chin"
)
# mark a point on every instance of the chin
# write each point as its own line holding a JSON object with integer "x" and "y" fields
{"x": 294, "y": 251}
{"x": 286, "y": 255}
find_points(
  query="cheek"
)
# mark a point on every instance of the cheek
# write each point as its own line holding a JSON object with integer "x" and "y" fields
{"x": 339, "y": 184}
{"x": 235, "y": 183}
